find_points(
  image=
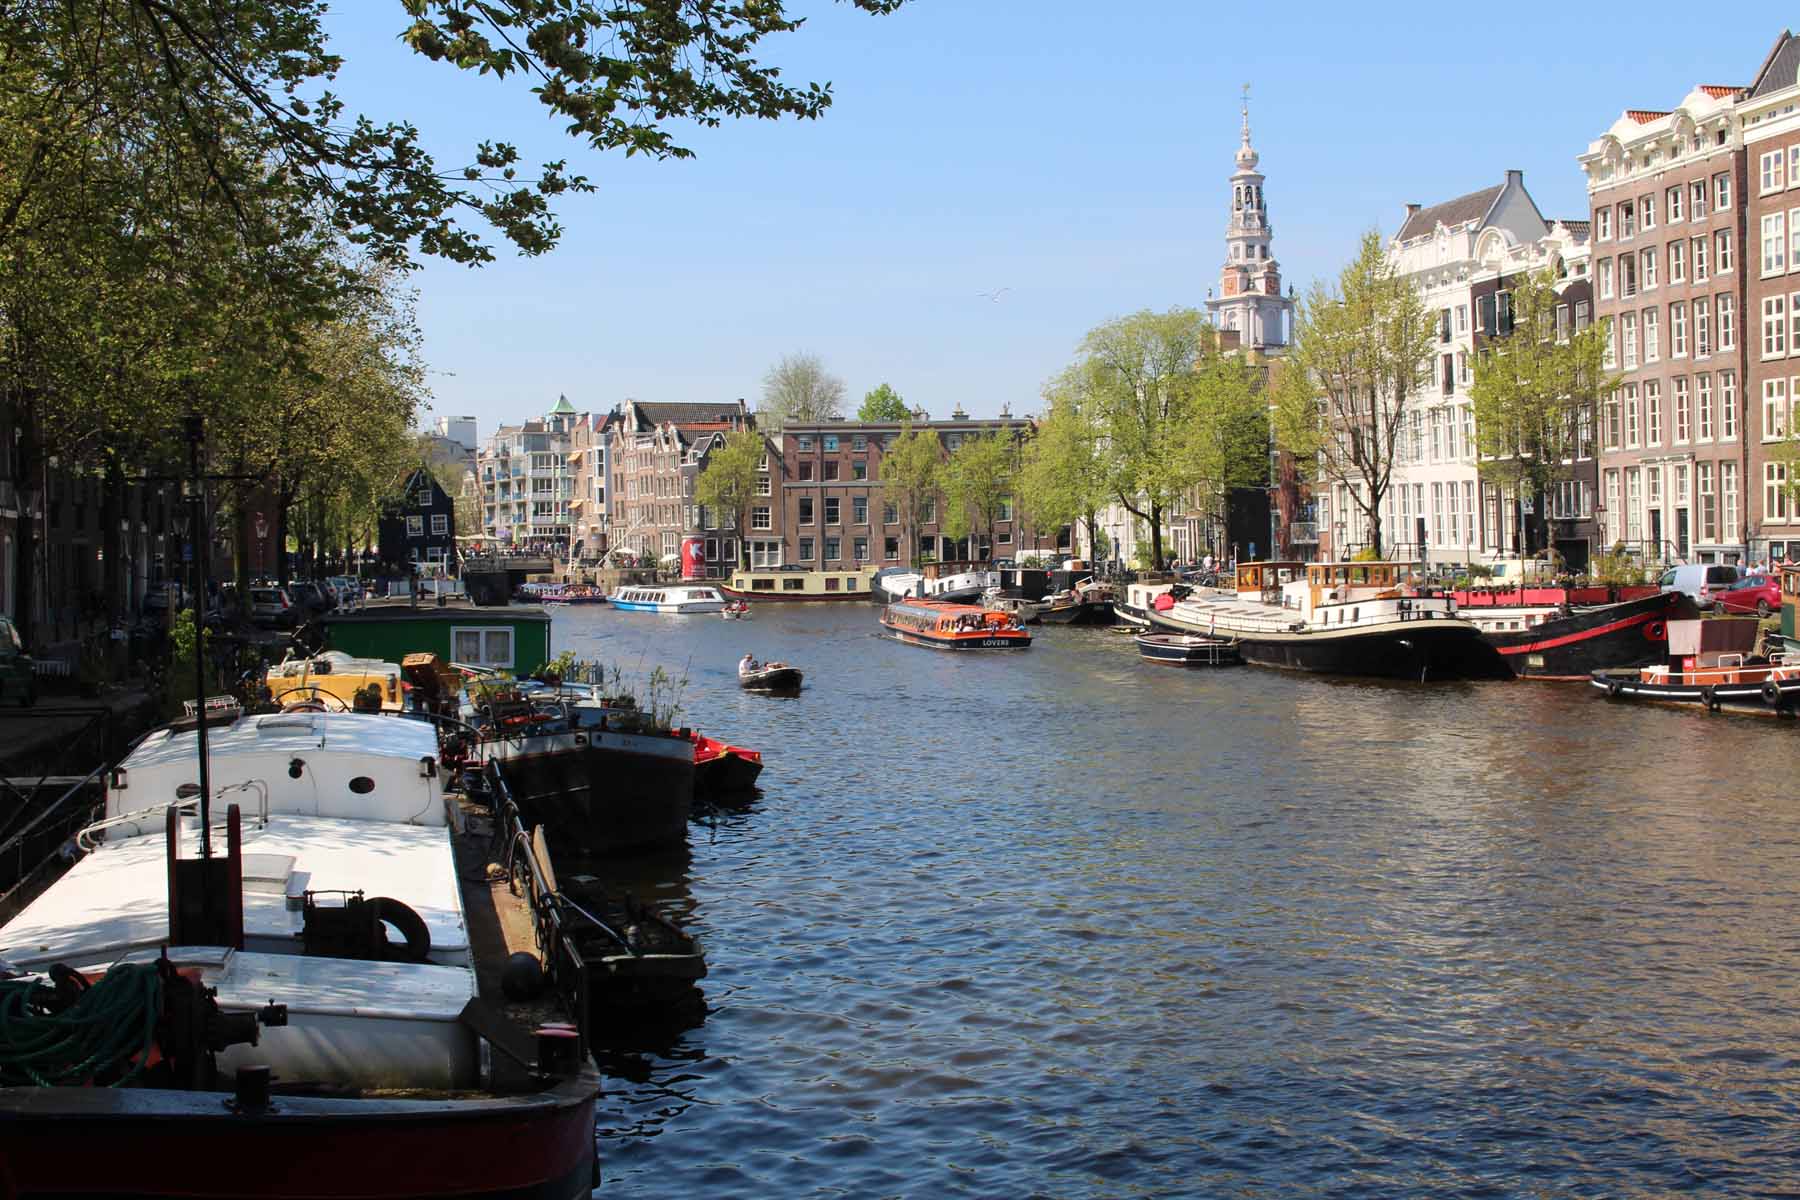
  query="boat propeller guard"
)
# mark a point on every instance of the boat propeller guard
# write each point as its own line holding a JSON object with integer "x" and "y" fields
{"x": 358, "y": 929}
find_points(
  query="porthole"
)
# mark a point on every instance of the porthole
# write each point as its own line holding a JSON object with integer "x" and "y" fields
{"x": 362, "y": 785}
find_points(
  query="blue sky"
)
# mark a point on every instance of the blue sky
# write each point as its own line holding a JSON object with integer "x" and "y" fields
{"x": 1074, "y": 153}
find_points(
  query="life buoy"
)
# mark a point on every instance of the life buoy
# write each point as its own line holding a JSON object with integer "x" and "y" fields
{"x": 1771, "y": 693}
{"x": 1710, "y": 699}
{"x": 1656, "y": 631}
{"x": 409, "y": 924}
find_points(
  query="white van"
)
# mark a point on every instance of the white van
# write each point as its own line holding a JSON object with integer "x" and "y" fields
{"x": 1702, "y": 581}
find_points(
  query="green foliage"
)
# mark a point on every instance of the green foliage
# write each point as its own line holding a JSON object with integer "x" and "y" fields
{"x": 911, "y": 472}
{"x": 1359, "y": 365}
{"x": 1618, "y": 569}
{"x": 178, "y": 681}
{"x": 978, "y": 481}
{"x": 1366, "y": 554}
{"x": 883, "y": 404}
{"x": 1225, "y": 440}
{"x": 798, "y": 390}
{"x": 1062, "y": 471}
{"x": 728, "y": 478}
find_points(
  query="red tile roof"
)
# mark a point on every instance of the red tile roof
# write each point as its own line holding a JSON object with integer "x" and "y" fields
{"x": 1718, "y": 91}
{"x": 1644, "y": 116}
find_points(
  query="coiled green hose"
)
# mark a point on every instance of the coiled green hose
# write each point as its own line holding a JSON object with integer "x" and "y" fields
{"x": 109, "y": 1023}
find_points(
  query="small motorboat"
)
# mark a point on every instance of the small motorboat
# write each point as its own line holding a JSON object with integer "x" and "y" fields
{"x": 735, "y": 610}
{"x": 721, "y": 771}
{"x": 1187, "y": 650}
{"x": 768, "y": 677}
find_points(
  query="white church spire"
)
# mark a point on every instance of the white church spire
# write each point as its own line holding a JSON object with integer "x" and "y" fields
{"x": 1250, "y": 300}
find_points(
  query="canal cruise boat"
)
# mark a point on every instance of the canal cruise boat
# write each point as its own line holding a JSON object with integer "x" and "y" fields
{"x": 946, "y": 626}
{"x": 1340, "y": 618}
{"x": 1710, "y": 665}
{"x": 799, "y": 585}
{"x": 669, "y": 598}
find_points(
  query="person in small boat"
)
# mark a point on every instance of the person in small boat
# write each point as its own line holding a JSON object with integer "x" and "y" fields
{"x": 747, "y": 665}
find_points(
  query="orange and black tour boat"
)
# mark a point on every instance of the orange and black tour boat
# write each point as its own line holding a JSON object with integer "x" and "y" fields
{"x": 947, "y": 626}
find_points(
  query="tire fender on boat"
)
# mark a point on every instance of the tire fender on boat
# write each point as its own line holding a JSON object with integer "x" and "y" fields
{"x": 1656, "y": 631}
{"x": 1771, "y": 693}
{"x": 1613, "y": 688}
{"x": 1710, "y": 699}
{"x": 411, "y": 926}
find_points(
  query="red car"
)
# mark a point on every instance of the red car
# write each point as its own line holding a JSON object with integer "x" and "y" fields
{"x": 1760, "y": 594}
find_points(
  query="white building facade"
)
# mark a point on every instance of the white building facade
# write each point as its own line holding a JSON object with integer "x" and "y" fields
{"x": 527, "y": 482}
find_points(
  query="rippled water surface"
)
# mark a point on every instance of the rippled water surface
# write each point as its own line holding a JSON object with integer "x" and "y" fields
{"x": 1061, "y": 923}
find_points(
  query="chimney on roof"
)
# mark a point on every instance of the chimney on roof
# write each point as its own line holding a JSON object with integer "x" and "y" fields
{"x": 1517, "y": 177}
{"x": 1412, "y": 210}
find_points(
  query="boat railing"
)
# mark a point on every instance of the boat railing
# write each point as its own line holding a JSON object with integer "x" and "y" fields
{"x": 84, "y": 837}
{"x": 562, "y": 958}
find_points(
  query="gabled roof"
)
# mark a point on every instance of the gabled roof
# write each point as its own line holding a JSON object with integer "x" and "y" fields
{"x": 1451, "y": 213}
{"x": 687, "y": 412}
{"x": 1780, "y": 69}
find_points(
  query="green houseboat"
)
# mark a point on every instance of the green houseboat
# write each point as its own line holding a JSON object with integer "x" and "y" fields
{"x": 513, "y": 638}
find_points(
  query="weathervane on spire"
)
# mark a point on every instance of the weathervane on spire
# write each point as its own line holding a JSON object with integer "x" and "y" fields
{"x": 1246, "y": 114}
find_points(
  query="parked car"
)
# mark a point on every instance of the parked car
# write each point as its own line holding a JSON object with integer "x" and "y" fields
{"x": 273, "y": 606}
{"x": 18, "y": 675}
{"x": 161, "y": 597}
{"x": 349, "y": 589}
{"x": 310, "y": 598}
{"x": 1760, "y": 594}
{"x": 1702, "y": 581}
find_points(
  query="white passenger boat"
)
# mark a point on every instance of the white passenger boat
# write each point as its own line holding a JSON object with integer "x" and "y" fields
{"x": 669, "y": 598}
{"x": 1355, "y": 618}
{"x": 311, "y": 947}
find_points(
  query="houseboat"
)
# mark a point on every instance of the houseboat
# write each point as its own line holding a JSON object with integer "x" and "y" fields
{"x": 1343, "y": 618}
{"x": 1790, "y": 602}
{"x": 1132, "y": 606}
{"x": 1557, "y": 632}
{"x": 512, "y": 638}
{"x": 1710, "y": 665}
{"x": 296, "y": 970}
{"x": 946, "y": 626}
{"x": 669, "y": 598}
{"x": 799, "y": 585}
{"x": 952, "y": 582}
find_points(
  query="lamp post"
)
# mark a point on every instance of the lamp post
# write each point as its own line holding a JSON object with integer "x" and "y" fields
{"x": 199, "y": 540}
{"x": 262, "y": 549}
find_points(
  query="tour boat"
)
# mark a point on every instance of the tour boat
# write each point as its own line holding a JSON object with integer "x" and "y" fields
{"x": 1187, "y": 650}
{"x": 723, "y": 771}
{"x": 1710, "y": 665}
{"x": 946, "y": 626}
{"x": 1349, "y": 618}
{"x": 1568, "y": 633}
{"x": 769, "y": 676}
{"x": 218, "y": 1008}
{"x": 600, "y": 777}
{"x": 799, "y": 585}
{"x": 668, "y": 598}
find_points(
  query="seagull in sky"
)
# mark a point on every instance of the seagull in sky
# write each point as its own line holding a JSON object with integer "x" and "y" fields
{"x": 993, "y": 295}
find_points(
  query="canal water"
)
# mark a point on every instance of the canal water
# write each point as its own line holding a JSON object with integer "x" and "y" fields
{"x": 1060, "y": 923}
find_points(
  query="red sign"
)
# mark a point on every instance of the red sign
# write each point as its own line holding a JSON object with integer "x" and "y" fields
{"x": 693, "y": 558}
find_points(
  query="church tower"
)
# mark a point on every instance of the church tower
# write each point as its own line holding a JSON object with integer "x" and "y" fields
{"x": 1250, "y": 299}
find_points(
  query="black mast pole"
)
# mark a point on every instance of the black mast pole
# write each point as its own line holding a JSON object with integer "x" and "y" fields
{"x": 200, "y": 530}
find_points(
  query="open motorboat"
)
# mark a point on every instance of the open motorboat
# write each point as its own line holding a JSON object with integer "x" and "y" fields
{"x": 735, "y": 610}
{"x": 768, "y": 676}
{"x": 1187, "y": 650}
{"x": 723, "y": 771}
{"x": 1348, "y": 618}
{"x": 307, "y": 984}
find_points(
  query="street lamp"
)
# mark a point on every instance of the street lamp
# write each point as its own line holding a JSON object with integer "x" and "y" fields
{"x": 262, "y": 550}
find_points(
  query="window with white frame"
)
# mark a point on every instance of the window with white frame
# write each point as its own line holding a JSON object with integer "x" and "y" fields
{"x": 1722, "y": 251}
{"x": 1794, "y": 321}
{"x": 1612, "y": 504}
{"x": 1776, "y": 506}
{"x": 1678, "y": 261}
{"x": 1652, "y": 338}
{"x": 1727, "y": 406}
{"x": 1728, "y": 499}
{"x": 1681, "y": 401}
{"x": 1628, "y": 339}
{"x": 1605, "y": 276}
{"x": 833, "y": 548}
{"x": 1678, "y": 333}
{"x": 1609, "y": 420}
{"x": 1709, "y": 502}
{"x": 1697, "y": 200}
{"x": 859, "y": 510}
{"x": 1468, "y": 428}
{"x": 1627, "y": 220}
{"x": 1647, "y": 267}
{"x": 1698, "y": 246}
{"x": 1774, "y": 243}
{"x": 760, "y": 517}
{"x": 1772, "y": 171}
{"x": 806, "y": 549}
{"x": 1703, "y": 407}
{"x": 1722, "y": 193}
{"x": 1794, "y": 166}
{"x": 1727, "y": 321}
{"x": 1634, "y": 508}
{"x": 481, "y": 647}
{"x": 1793, "y": 223}
{"x": 1647, "y": 212}
{"x": 1632, "y": 414}
{"x": 1462, "y": 318}
{"x": 1774, "y": 410}
{"x": 1673, "y": 197}
{"x": 1702, "y": 328}
{"x": 440, "y": 524}
{"x": 1609, "y": 346}
{"x": 763, "y": 486}
{"x": 1653, "y": 413}
{"x": 1774, "y": 326}
{"x": 1628, "y": 275}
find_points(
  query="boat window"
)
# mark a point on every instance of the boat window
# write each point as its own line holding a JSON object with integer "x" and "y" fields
{"x": 762, "y": 585}
{"x": 362, "y": 785}
{"x": 1354, "y": 612}
{"x": 793, "y": 585}
{"x": 831, "y": 584}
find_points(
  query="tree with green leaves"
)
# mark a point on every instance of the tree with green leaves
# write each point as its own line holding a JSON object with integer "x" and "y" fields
{"x": 1536, "y": 395}
{"x": 911, "y": 471}
{"x": 1139, "y": 374}
{"x": 1062, "y": 472}
{"x": 883, "y": 403}
{"x": 1225, "y": 439}
{"x": 728, "y": 479}
{"x": 1359, "y": 363}
{"x": 259, "y": 73}
{"x": 979, "y": 480}
{"x": 798, "y": 390}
